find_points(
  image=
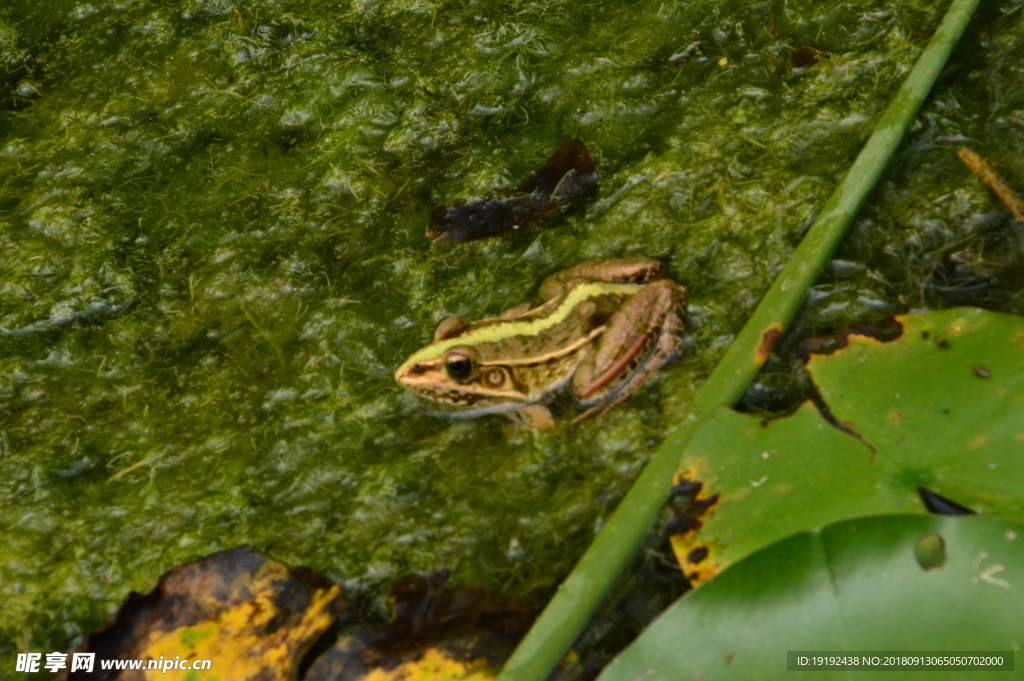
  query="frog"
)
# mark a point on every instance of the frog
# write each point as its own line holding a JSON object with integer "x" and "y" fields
{"x": 603, "y": 328}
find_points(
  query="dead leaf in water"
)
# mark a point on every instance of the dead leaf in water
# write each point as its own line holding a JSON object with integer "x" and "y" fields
{"x": 253, "y": 617}
{"x": 567, "y": 177}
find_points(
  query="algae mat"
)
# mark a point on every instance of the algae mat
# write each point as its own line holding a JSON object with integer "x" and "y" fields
{"x": 212, "y": 256}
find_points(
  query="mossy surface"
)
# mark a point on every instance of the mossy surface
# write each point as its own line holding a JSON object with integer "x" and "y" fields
{"x": 255, "y": 181}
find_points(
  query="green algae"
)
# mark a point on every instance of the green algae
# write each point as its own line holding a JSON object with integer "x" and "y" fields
{"x": 261, "y": 182}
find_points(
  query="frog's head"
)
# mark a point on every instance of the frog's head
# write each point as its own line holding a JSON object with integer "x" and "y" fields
{"x": 449, "y": 371}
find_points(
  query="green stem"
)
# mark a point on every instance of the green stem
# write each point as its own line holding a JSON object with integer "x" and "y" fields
{"x": 582, "y": 592}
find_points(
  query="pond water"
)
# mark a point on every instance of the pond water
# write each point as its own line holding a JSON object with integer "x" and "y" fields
{"x": 253, "y": 183}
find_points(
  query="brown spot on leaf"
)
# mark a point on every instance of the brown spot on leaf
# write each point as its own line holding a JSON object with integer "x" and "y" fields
{"x": 688, "y": 487}
{"x": 769, "y": 339}
{"x": 941, "y": 342}
{"x": 980, "y": 372}
{"x": 692, "y": 509}
{"x": 698, "y": 554}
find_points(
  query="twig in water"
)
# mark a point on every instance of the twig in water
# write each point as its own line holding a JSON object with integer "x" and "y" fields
{"x": 989, "y": 176}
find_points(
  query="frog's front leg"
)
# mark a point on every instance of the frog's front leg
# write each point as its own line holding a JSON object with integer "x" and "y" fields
{"x": 626, "y": 270}
{"x": 638, "y": 340}
{"x": 532, "y": 417}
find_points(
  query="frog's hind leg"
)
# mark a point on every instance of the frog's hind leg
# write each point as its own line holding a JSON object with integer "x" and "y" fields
{"x": 513, "y": 312}
{"x": 639, "y": 339}
{"x": 664, "y": 351}
{"x": 629, "y": 270}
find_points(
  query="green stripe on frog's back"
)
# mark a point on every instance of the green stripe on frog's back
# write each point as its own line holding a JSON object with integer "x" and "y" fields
{"x": 500, "y": 330}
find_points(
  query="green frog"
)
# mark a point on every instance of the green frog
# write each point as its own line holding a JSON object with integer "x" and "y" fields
{"x": 604, "y": 328}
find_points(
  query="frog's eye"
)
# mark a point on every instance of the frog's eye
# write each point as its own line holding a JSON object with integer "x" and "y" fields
{"x": 458, "y": 365}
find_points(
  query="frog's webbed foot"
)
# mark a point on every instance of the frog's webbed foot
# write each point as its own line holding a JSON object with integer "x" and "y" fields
{"x": 639, "y": 339}
{"x": 626, "y": 270}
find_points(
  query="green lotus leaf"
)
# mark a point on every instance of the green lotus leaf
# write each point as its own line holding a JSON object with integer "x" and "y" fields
{"x": 934, "y": 406}
{"x": 857, "y": 585}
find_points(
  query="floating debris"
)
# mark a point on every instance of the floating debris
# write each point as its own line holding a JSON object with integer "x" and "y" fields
{"x": 805, "y": 57}
{"x": 990, "y": 177}
{"x": 567, "y": 177}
